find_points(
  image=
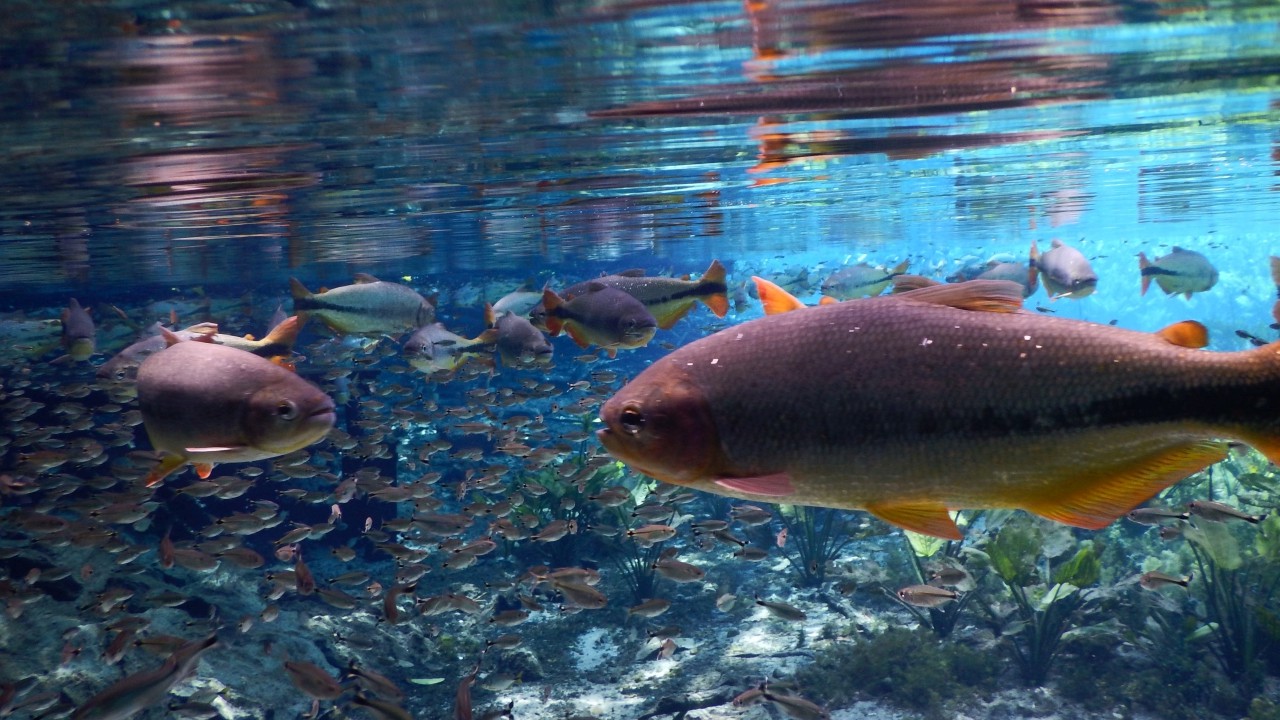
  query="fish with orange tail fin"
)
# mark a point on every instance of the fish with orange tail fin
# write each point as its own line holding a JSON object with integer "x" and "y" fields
{"x": 603, "y": 315}
{"x": 945, "y": 398}
{"x": 203, "y": 403}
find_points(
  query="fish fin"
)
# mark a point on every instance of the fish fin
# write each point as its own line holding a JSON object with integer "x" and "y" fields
{"x": 827, "y": 300}
{"x": 1002, "y": 296}
{"x": 1097, "y": 499}
{"x": 489, "y": 318}
{"x": 612, "y": 352}
{"x": 668, "y": 321}
{"x": 488, "y": 337}
{"x": 203, "y": 470}
{"x": 900, "y": 268}
{"x": 907, "y": 283}
{"x": 718, "y": 304}
{"x": 716, "y": 275}
{"x": 286, "y": 333}
{"x": 1187, "y": 334}
{"x": 284, "y": 362}
{"x": 775, "y": 485}
{"x": 167, "y": 465}
{"x": 632, "y": 273}
{"x": 249, "y": 337}
{"x": 925, "y": 518}
{"x": 774, "y": 298}
{"x": 171, "y": 338}
{"x": 213, "y": 448}
{"x": 575, "y": 334}
{"x": 1143, "y": 264}
{"x": 1034, "y": 255}
{"x": 550, "y": 302}
{"x": 298, "y": 290}
{"x": 365, "y": 278}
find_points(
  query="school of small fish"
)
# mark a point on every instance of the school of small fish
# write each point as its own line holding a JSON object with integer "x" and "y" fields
{"x": 411, "y": 452}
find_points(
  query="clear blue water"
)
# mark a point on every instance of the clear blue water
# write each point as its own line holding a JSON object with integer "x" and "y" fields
{"x": 192, "y": 150}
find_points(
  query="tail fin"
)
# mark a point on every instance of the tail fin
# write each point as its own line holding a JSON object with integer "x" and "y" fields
{"x": 1143, "y": 264}
{"x": 298, "y": 291}
{"x": 774, "y": 298}
{"x": 284, "y": 334}
{"x": 714, "y": 277}
{"x": 552, "y": 302}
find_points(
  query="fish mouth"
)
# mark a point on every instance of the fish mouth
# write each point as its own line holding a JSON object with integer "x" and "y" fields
{"x": 321, "y": 411}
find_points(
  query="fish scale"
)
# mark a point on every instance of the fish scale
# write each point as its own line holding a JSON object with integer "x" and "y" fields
{"x": 916, "y": 404}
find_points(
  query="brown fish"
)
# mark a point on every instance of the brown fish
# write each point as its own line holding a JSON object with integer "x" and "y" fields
{"x": 944, "y": 398}
{"x": 204, "y": 403}
{"x": 135, "y": 693}
{"x": 926, "y": 595}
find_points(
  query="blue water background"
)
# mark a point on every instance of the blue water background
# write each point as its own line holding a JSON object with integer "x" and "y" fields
{"x": 160, "y": 147}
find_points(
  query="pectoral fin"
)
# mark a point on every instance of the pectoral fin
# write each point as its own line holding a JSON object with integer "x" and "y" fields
{"x": 776, "y": 485}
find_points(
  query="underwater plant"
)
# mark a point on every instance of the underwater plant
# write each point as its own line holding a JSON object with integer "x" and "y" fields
{"x": 908, "y": 667}
{"x": 1044, "y": 610}
{"x": 943, "y": 618}
{"x": 815, "y": 537}
{"x": 1237, "y": 588}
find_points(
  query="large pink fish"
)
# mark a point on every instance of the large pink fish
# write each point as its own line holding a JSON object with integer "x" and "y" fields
{"x": 940, "y": 399}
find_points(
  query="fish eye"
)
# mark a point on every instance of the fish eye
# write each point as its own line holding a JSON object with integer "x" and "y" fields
{"x": 287, "y": 410}
{"x": 121, "y": 374}
{"x": 631, "y": 419}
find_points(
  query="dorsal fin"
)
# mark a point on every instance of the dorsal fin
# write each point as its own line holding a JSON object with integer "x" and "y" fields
{"x": 631, "y": 272}
{"x": 595, "y": 286}
{"x": 362, "y": 278}
{"x": 1003, "y": 296}
{"x": 907, "y": 283}
{"x": 1187, "y": 334}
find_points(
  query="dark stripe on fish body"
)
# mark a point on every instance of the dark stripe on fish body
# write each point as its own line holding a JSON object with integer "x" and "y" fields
{"x": 875, "y": 387}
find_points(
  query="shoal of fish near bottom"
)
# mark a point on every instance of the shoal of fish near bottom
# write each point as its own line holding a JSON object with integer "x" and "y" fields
{"x": 945, "y": 398}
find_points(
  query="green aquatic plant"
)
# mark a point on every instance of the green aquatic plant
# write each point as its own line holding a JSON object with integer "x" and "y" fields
{"x": 909, "y": 668}
{"x": 815, "y": 537}
{"x": 944, "y": 618}
{"x": 1237, "y": 588}
{"x": 1048, "y": 598}
{"x": 635, "y": 565}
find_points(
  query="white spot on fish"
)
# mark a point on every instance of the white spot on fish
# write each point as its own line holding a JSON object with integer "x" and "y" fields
{"x": 926, "y": 342}
{"x": 739, "y": 337}
{"x": 715, "y": 361}
{"x": 1026, "y": 337}
{"x": 1022, "y": 356}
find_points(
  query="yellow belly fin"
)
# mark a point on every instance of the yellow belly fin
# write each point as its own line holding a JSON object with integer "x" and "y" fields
{"x": 922, "y": 517}
{"x": 1100, "y": 496}
{"x": 167, "y": 465}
